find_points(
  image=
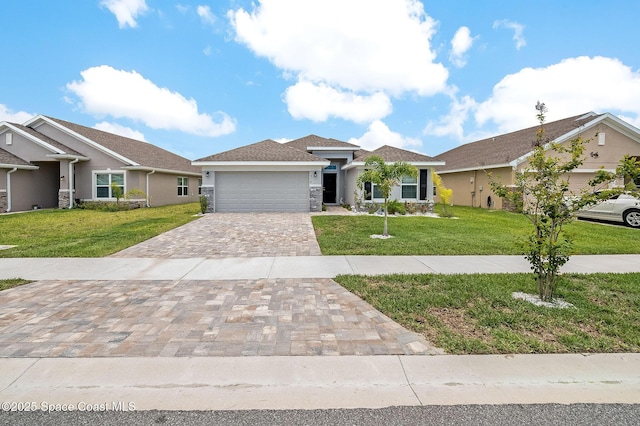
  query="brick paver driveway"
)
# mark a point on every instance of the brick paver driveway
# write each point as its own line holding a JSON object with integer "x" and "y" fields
{"x": 199, "y": 317}
{"x": 234, "y": 235}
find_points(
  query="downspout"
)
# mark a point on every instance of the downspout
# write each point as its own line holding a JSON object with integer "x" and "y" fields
{"x": 71, "y": 163}
{"x": 147, "y": 186}
{"x": 9, "y": 188}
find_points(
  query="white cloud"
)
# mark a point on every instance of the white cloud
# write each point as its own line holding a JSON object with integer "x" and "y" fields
{"x": 571, "y": 87}
{"x": 204, "y": 12}
{"x": 453, "y": 123}
{"x": 126, "y": 11}
{"x": 104, "y": 90}
{"x": 358, "y": 48}
{"x": 517, "y": 28}
{"x": 460, "y": 45}
{"x": 207, "y": 51}
{"x": 118, "y": 129}
{"x": 18, "y": 117}
{"x": 318, "y": 102}
{"x": 379, "y": 134}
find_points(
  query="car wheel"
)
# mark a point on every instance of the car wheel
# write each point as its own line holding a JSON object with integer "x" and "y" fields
{"x": 632, "y": 218}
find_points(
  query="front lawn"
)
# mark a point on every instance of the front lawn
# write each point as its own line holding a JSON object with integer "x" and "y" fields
{"x": 476, "y": 314}
{"x": 87, "y": 233}
{"x": 474, "y": 231}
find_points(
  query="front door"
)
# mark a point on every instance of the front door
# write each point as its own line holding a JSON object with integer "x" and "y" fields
{"x": 329, "y": 185}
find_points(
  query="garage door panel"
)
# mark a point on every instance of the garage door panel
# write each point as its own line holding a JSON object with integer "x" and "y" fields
{"x": 262, "y": 191}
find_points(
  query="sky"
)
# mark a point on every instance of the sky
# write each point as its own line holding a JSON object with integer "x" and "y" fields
{"x": 201, "y": 77}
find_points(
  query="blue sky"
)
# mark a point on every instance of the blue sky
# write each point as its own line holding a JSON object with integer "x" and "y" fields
{"x": 201, "y": 77}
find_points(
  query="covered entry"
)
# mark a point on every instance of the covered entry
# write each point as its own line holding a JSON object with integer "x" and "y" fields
{"x": 262, "y": 191}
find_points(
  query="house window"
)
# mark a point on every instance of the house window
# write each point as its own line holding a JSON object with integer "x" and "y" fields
{"x": 409, "y": 187}
{"x": 200, "y": 186}
{"x": 183, "y": 186}
{"x": 376, "y": 192}
{"x": 104, "y": 181}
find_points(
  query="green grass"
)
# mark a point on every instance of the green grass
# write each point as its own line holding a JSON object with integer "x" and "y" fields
{"x": 476, "y": 314}
{"x": 87, "y": 233}
{"x": 473, "y": 232}
{"x": 12, "y": 282}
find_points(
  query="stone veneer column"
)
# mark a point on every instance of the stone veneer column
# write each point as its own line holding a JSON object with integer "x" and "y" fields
{"x": 3, "y": 202}
{"x": 209, "y": 192}
{"x": 315, "y": 198}
{"x": 63, "y": 199}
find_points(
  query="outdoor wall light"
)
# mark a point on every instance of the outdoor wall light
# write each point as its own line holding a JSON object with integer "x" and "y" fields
{"x": 594, "y": 154}
{"x": 207, "y": 173}
{"x": 62, "y": 177}
{"x": 315, "y": 173}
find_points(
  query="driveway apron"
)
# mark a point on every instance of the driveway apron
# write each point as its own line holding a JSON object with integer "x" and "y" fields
{"x": 233, "y": 235}
{"x": 170, "y": 318}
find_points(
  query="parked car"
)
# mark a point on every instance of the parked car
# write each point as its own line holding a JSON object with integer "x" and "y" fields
{"x": 623, "y": 208}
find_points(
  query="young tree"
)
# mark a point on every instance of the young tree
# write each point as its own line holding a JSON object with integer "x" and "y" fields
{"x": 445, "y": 193}
{"x": 542, "y": 192}
{"x": 385, "y": 176}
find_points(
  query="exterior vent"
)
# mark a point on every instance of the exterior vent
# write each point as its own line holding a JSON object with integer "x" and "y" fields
{"x": 601, "y": 138}
{"x": 9, "y": 138}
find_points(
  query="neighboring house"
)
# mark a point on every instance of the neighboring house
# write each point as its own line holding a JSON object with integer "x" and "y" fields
{"x": 467, "y": 166}
{"x": 301, "y": 175}
{"x": 42, "y": 159}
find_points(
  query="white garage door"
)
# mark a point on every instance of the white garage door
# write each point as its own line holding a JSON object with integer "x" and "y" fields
{"x": 262, "y": 192}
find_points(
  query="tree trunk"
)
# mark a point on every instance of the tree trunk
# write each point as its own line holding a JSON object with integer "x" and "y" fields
{"x": 385, "y": 231}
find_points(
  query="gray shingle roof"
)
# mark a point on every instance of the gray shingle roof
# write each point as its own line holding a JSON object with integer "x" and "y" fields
{"x": 143, "y": 153}
{"x": 391, "y": 154}
{"x": 8, "y": 158}
{"x": 267, "y": 150}
{"x": 505, "y": 148}
{"x": 313, "y": 140}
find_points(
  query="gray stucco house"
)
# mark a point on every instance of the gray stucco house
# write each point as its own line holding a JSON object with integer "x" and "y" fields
{"x": 48, "y": 163}
{"x": 301, "y": 175}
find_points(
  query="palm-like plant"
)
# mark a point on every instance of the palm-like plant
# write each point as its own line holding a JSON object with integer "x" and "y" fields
{"x": 385, "y": 177}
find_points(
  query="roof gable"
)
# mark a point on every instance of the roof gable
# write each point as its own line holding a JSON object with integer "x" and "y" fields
{"x": 132, "y": 152}
{"x": 309, "y": 141}
{"x": 391, "y": 154}
{"x": 265, "y": 151}
{"x": 503, "y": 149}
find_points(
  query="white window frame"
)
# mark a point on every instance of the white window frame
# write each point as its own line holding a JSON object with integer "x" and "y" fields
{"x": 182, "y": 186}
{"x": 413, "y": 184}
{"x": 94, "y": 183}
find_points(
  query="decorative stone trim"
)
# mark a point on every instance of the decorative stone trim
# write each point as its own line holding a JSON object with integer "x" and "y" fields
{"x": 209, "y": 192}
{"x": 3, "y": 202}
{"x": 315, "y": 198}
{"x": 63, "y": 199}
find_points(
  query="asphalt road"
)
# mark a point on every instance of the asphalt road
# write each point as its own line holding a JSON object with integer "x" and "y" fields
{"x": 547, "y": 414}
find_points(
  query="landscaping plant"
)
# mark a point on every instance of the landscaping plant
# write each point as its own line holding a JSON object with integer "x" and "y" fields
{"x": 385, "y": 176}
{"x": 542, "y": 193}
{"x": 445, "y": 193}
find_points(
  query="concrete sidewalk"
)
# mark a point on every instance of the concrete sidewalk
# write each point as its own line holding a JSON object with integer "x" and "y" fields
{"x": 238, "y": 383}
{"x": 288, "y": 267}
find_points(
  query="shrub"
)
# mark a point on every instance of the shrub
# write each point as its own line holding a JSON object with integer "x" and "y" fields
{"x": 203, "y": 204}
{"x": 396, "y": 207}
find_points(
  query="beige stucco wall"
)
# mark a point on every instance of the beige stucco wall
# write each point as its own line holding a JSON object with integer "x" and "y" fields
{"x": 163, "y": 189}
{"x": 607, "y": 151}
{"x": 472, "y": 188}
{"x": 605, "y": 148}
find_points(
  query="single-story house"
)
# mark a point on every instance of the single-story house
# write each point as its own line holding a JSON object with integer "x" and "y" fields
{"x": 467, "y": 167}
{"x": 301, "y": 175}
{"x": 49, "y": 163}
